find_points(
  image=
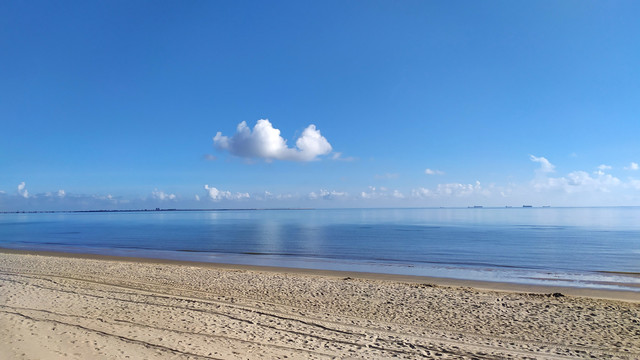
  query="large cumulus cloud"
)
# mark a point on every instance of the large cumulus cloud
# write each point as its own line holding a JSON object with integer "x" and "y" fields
{"x": 265, "y": 142}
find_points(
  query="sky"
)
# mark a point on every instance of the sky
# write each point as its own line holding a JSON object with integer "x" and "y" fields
{"x": 324, "y": 104}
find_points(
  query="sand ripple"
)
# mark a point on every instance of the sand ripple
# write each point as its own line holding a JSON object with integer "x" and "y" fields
{"x": 53, "y": 307}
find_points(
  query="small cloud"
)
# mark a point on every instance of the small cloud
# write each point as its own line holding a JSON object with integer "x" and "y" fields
{"x": 22, "y": 191}
{"x": 337, "y": 156}
{"x": 633, "y": 166}
{"x": 326, "y": 194}
{"x": 217, "y": 195}
{"x": 268, "y": 195}
{"x": 285, "y": 196}
{"x": 421, "y": 193}
{"x": 578, "y": 181}
{"x": 108, "y": 198}
{"x": 433, "y": 172}
{"x": 545, "y": 165}
{"x": 197, "y": 197}
{"x": 161, "y": 195}
{"x": 457, "y": 189}
{"x": 372, "y": 193}
{"x": 451, "y": 190}
{"x": 601, "y": 169}
{"x": 209, "y": 157}
{"x": 61, "y": 193}
{"x": 265, "y": 142}
{"x": 381, "y": 192}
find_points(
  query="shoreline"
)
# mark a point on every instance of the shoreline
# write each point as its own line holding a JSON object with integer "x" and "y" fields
{"x": 608, "y": 294}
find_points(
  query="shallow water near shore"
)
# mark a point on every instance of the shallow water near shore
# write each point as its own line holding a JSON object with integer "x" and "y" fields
{"x": 581, "y": 247}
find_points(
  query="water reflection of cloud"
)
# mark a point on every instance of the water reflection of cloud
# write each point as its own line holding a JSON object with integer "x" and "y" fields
{"x": 271, "y": 241}
{"x": 312, "y": 237}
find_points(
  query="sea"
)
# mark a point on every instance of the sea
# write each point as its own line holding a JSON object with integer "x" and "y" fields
{"x": 578, "y": 247}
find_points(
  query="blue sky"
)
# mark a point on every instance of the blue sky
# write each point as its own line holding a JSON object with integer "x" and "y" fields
{"x": 115, "y": 104}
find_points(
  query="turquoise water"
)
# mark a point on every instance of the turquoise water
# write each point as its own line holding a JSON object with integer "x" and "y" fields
{"x": 552, "y": 246}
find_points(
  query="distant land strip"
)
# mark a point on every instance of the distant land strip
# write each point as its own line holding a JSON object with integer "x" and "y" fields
{"x": 138, "y": 210}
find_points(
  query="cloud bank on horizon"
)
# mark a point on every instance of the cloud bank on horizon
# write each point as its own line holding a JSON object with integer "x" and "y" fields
{"x": 265, "y": 142}
{"x": 577, "y": 188}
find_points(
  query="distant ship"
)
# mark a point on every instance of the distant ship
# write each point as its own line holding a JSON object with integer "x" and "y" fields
{"x": 527, "y": 206}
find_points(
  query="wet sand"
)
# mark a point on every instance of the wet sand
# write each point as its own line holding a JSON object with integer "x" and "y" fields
{"x": 88, "y": 306}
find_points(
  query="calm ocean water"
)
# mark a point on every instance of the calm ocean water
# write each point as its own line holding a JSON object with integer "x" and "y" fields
{"x": 552, "y": 246}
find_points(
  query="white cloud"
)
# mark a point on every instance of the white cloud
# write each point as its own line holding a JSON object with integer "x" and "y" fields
{"x": 575, "y": 181}
{"x": 578, "y": 182}
{"x": 545, "y": 165}
{"x": 581, "y": 179}
{"x": 433, "y": 172}
{"x": 602, "y": 168}
{"x": 634, "y": 184}
{"x": 451, "y": 190}
{"x": 633, "y": 166}
{"x": 105, "y": 198}
{"x": 267, "y": 195}
{"x": 161, "y": 195}
{"x": 381, "y": 192}
{"x": 457, "y": 189}
{"x": 421, "y": 193}
{"x": 61, "y": 193}
{"x": 326, "y": 194}
{"x": 210, "y": 157}
{"x": 22, "y": 191}
{"x": 197, "y": 197}
{"x": 372, "y": 193}
{"x": 265, "y": 142}
{"x": 217, "y": 195}
{"x": 338, "y": 157}
{"x": 286, "y": 196}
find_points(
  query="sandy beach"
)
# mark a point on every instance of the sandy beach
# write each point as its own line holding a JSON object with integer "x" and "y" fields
{"x": 80, "y": 307}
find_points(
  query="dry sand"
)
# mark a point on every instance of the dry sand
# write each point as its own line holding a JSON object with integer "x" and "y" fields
{"x": 84, "y": 307}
